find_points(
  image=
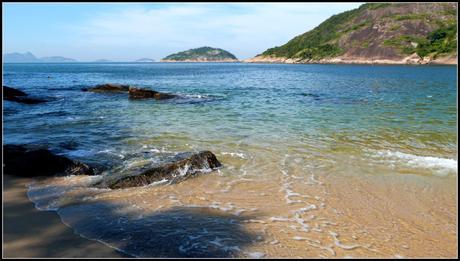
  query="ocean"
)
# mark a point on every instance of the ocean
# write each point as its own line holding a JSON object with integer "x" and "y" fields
{"x": 318, "y": 160}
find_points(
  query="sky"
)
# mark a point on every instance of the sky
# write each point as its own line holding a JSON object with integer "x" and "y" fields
{"x": 127, "y": 32}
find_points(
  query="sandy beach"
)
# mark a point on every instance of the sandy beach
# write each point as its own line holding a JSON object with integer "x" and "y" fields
{"x": 28, "y": 232}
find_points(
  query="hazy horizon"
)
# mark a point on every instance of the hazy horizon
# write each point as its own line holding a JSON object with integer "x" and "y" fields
{"x": 128, "y": 32}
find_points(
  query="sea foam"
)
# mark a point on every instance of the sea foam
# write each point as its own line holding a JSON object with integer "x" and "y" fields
{"x": 442, "y": 166}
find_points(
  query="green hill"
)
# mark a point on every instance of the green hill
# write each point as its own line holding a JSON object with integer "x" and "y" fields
{"x": 202, "y": 54}
{"x": 376, "y": 31}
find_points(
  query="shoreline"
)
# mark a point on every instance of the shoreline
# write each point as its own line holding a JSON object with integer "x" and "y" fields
{"x": 31, "y": 233}
{"x": 412, "y": 59}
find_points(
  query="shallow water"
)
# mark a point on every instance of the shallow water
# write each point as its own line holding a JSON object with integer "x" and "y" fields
{"x": 319, "y": 160}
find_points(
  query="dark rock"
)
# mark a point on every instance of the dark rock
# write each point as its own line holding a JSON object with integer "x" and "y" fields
{"x": 11, "y": 94}
{"x": 136, "y": 93}
{"x": 25, "y": 100}
{"x": 108, "y": 87}
{"x": 20, "y": 161}
{"x": 183, "y": 167}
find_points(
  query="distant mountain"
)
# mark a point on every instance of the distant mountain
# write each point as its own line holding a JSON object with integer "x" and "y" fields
{"x": 145, "y": 60}
{"x": 30, "y": 58}
{"x": 202, "y": 54}
{"x": 417, "y": 33}
{"x": 57, "y": 59}
{"x": 20, "y": 58}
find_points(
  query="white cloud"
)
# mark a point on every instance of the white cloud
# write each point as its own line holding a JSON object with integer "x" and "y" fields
{"x": 243, "y": 29}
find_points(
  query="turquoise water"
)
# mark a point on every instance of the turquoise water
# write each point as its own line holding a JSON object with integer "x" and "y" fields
{"x": 406, "y": 108}
{"x": 280, "y": 130}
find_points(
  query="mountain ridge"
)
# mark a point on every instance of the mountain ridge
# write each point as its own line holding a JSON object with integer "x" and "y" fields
{"x": 28, "y": 57}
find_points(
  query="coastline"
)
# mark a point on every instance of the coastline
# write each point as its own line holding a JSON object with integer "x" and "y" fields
{"x": 31, "y": 233}
{"x": 409, "y": 60}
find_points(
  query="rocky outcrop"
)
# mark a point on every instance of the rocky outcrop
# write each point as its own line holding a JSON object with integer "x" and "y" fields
{"x": 20, "y": 161}
{"x": 137, "y": 93}
{"x": 181, "y": 168}
{"x": 133, "y": 92}
{"x": 12, "y": 94}
{"x": 108, "y": 87}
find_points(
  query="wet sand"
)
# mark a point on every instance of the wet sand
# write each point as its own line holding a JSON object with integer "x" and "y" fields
{"x": 282, "y": 215}
{"x": 28, "y": 232}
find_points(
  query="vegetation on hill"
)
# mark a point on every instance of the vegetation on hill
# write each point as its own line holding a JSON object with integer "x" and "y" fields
{"x": 378, "y": 29}
{"x": 202, "y": 53}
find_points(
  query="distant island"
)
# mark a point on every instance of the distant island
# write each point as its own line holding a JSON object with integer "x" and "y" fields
{"x": 202, "y": 54}
{"x": 57, "y": 59}
{"x": 102, "y": 61}
{"x": 145, "y": 60}
{"x": 385, "y": 33}
{"x": 28, "y": 57}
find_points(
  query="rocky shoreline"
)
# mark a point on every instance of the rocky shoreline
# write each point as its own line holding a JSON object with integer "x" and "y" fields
{"x": 21, "y": 161}
{"x": 409, "y": 60}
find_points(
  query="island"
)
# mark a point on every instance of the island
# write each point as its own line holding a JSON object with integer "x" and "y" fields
{"x": 202, "y": 54}
{"x": 144, "y": 60}
{"x": 102, "y": 61}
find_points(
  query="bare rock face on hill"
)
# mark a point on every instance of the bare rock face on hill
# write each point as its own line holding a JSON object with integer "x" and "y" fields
{"x": 181, "y": 168}
{"x": 397, "y": 33}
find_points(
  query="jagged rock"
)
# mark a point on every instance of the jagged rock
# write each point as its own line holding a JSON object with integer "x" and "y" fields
{"x": 136, "y": 93}
{"x": 183, "y": 167}
{"x": 12, "y": 94}
{"x": 19, "y": 161}
{"x": 108, "y": 87}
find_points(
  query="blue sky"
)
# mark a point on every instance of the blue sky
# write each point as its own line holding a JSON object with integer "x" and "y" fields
{"x": 126, "y": 32}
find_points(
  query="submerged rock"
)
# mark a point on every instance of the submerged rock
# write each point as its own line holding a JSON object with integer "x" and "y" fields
{"x": 108, "y": 87}
{"x": 136, "y": 93}
{"x": 183, "y": 167}
{"x": 20, "y": 161}
{"x": 12, "y": 94}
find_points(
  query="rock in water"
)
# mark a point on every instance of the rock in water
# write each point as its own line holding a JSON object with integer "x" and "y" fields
{"x": 19, "y": 161}
{"x": 136, "y": 93}
{"x": 108, "y": 87}
{"x": 25, "y": 100}
{"x": 182, "y": 168}
{"x": 12, "y": 94}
